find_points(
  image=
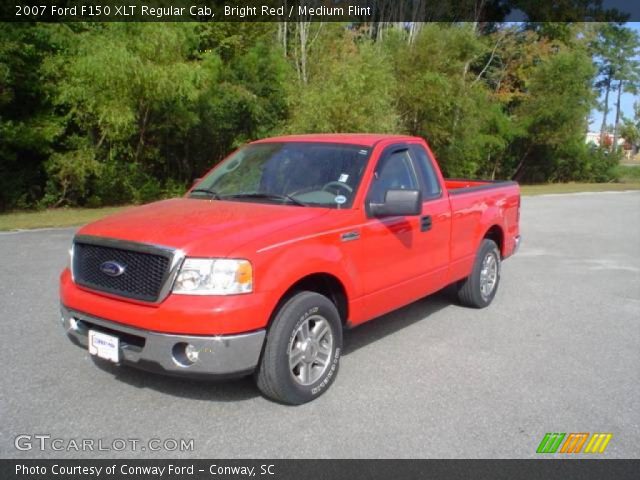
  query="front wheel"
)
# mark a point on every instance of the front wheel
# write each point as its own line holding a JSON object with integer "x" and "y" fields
{"x": 479, "y": 288}
{"x": 302, "y": 351}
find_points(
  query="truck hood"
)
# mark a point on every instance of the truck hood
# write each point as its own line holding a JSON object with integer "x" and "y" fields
{"x": 201, "y": 227}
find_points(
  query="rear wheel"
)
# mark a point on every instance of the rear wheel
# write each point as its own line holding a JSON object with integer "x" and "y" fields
{"x": 479, "y": 288}
{"x": 302, "y": 352}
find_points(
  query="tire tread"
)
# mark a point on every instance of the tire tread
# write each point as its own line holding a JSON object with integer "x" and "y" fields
{"x": 468, "y": 288}
{"x": 266, "y": 377}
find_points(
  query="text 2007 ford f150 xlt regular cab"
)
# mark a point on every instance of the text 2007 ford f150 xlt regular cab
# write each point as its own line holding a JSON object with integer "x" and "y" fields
{"x": 269, "y": 256}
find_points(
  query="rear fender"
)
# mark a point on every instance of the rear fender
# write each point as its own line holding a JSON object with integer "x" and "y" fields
{"x": 492, "y": 218}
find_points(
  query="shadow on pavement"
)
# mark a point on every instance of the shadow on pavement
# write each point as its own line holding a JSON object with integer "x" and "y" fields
{"x": 233, "y": 390}
{"x": 229, "y": 390}
{"x": 390, "y": 323}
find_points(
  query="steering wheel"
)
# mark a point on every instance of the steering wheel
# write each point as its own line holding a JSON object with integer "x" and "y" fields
{"x": 337, "y": 184}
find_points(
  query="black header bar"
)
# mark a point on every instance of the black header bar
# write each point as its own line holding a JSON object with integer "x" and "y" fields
{"x": 319, "y": 469}
{"x": 354, "y": 11}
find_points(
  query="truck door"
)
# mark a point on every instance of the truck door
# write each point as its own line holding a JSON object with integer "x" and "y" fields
{"x": 406, "y": 257}
{"x": 435, "y": 222}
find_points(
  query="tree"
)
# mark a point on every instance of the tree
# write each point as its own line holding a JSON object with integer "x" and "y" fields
{"x": 630, "y": 129}
{"x": 628, "y": 76}
{"x": 119, "y": 92}
{"x": 28, "y": 125}
{"x": 349, "y": 89}
{"x": 107, "y": 113}
{"x": 160, "y": 111}
{"x": 553, "y": 115}
{"x": 442, "y": 98}
{"x": 615, "y": 48}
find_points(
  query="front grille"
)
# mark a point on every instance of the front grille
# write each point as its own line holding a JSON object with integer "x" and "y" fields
{"x": 145, "y": 272}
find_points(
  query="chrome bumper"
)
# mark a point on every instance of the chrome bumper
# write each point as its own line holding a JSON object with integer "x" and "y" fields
{"x": 221, "y": 355}
{"x": 516, "y": 244}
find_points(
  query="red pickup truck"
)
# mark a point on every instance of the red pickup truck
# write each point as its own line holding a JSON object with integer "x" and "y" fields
{"x": 284, "y": 244}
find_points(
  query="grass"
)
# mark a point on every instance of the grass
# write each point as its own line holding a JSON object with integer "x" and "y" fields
{"x": 69, "y": 217}
{"x": 58, "y": 217}
{"x": 578, "y": 187}
{"x": 628, "y": 173}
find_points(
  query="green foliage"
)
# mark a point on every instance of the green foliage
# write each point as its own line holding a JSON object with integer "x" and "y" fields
{"x": 553, "y": 115}
{"x": 98, "y": 114}
{"x": 157, "y": 113}
{"x": 630, "y": 130}
{"x": 350, "y": 89}
{"x": 627, "y": 173}
{"x": 69, "y": 174}
{"x": 28, "y": 127}
{"x": 441, "y": 98}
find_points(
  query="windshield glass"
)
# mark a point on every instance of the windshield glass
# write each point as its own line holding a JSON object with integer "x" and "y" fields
{"x": 295, "y": 173}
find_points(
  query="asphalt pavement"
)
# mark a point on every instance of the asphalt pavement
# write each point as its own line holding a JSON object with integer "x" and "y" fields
{"x": 557, "y": 351}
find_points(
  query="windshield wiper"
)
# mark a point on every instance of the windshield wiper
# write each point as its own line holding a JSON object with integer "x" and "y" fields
{"x": 268, "y": 196}
{"x": 213, "y": 193}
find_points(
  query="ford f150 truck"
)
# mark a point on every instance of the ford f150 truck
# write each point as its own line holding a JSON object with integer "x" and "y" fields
{"x": 284, "y": 244}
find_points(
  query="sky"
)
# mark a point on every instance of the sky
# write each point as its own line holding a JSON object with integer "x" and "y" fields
{"x": 626, "y": 101}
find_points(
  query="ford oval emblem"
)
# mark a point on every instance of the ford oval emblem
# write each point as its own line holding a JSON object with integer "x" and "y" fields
{"x": 112, "y": 268}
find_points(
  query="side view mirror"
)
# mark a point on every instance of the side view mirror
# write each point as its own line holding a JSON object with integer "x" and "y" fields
{"x": 398, "y": 203}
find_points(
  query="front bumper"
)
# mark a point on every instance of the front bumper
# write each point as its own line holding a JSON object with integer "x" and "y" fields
{"x": 516, "y": 244}
{"x": 219, "y": 355}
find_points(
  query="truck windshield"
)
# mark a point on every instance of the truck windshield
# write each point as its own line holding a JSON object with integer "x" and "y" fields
{"x": 294, "y": 173}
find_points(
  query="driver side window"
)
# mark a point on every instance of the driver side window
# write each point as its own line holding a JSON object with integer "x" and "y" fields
{"x": 393, "y": 172}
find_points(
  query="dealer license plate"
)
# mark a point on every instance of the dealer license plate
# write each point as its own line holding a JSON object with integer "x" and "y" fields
{"x": 104, "y": 346}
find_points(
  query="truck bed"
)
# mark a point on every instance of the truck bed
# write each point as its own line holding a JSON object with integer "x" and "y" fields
{"x": 473, "y": 203}
{"x": 456, "y": 186}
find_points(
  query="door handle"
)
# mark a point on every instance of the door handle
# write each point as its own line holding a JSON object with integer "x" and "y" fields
{"x": 350, "y": 236}
{"x": 425, "y": 223}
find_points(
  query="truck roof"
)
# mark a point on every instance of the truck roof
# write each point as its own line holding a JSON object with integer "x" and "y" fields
{"x": 364, "y": 139}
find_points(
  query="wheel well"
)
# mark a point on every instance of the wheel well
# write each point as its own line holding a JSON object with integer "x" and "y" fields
{"x": 495, "y": 233}
{"x": 324, "y": 284}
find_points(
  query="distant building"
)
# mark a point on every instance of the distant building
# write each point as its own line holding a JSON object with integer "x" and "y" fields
{"x": 593, "y": 138}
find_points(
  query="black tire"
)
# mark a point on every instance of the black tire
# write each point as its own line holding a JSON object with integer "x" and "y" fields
{"x": 275, "y": 377}
{"x": 470, "y": 291}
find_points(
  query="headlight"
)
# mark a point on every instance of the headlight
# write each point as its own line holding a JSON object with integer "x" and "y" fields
{"x": 214, "y": 276}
